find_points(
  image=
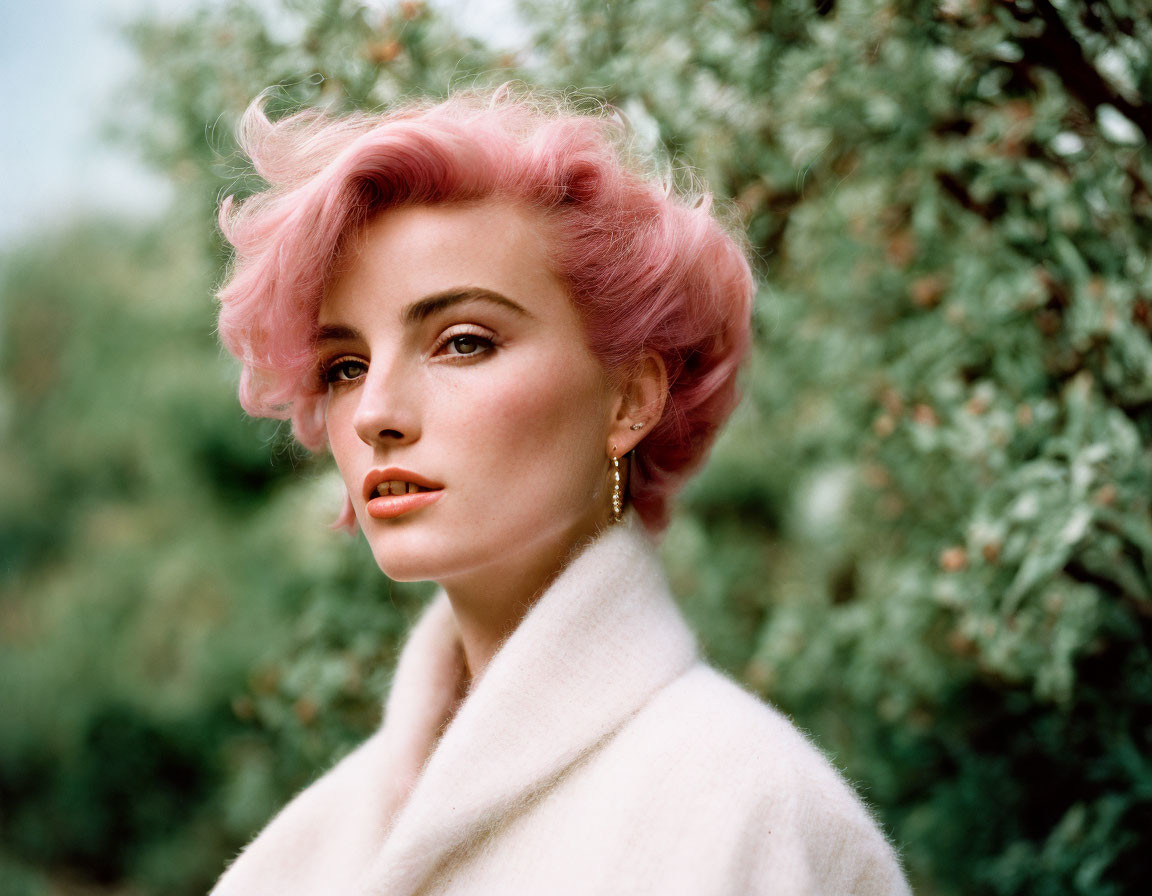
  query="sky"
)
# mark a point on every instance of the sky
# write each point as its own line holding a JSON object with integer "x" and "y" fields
{"x": 63, "y": 64}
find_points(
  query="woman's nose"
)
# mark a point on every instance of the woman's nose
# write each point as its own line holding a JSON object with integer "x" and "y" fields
{"x": 387, "y": 410}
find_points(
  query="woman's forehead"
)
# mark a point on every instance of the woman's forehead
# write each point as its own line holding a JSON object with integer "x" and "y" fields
{"x": 408, "y": 254}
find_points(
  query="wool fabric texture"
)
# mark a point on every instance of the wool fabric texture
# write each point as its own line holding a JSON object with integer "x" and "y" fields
{"x": 597, "y": 755}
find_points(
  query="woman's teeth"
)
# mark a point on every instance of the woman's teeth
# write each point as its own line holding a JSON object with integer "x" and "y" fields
{"x": 392, "y": 487}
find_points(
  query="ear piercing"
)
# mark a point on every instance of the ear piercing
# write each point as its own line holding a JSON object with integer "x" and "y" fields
{"x": 636, "y": 426}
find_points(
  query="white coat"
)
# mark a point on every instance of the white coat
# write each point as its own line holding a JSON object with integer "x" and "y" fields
{"x": 596, "y": 755}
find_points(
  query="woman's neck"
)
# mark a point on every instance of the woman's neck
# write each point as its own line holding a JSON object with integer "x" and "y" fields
{"x": 489, "y": 602}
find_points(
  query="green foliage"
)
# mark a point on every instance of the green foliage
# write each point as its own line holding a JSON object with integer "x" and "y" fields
{"x": 926, "y": 534}
{"x": 140, "y": 742}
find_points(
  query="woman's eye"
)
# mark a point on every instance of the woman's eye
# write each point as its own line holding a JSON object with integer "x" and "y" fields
{"x": 466, "y": 345}
{"x": 345, "y": 370}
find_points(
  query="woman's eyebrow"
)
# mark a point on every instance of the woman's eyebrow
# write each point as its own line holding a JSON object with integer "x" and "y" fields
{"x": 335, "y": 333}
{"x": 421, "y": 310}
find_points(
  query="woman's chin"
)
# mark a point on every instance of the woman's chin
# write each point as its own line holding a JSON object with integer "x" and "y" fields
{"x": 406, "y": 567}
{"x": 410, "y": 556}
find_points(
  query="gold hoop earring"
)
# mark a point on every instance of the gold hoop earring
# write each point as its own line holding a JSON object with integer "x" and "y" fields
{"x": 617, "y": 492}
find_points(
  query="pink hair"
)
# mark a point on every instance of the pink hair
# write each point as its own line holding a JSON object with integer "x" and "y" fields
{"x": 647, "y": 269}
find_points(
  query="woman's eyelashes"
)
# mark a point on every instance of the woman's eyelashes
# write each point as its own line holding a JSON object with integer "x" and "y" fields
{"x": 344, "y": 369}
{"x": 465, "y": 341}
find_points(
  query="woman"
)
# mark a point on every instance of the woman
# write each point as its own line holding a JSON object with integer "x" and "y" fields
{"x": 516, "y": 347}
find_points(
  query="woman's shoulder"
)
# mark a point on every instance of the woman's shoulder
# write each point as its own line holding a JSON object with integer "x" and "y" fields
{"x": 745, "y": 742}
{"x": 730, "y": 720}
{"x": 288, "y": 853}
{"x": 728, "y": 746}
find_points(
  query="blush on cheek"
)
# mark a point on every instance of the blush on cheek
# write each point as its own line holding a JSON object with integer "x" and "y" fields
{"x": 546, "y": 420}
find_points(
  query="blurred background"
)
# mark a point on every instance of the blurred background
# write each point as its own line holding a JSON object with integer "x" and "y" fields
{"x": 926, "y": 534}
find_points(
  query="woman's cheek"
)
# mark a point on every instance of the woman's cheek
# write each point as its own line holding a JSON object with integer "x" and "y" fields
{"x": 540, "y": 425}
{"x": 336, "y": 424}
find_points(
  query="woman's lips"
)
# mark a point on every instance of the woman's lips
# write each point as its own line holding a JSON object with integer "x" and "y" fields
{"x": 385, "y": 507}
{"x": 395, "y": 480}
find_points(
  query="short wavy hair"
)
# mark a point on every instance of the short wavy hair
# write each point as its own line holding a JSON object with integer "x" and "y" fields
{"x": 648, "y": 268}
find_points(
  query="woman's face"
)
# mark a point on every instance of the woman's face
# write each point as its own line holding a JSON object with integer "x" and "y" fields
{"x": 458, "y": 375}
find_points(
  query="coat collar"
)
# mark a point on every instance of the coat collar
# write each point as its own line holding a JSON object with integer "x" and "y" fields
{"x": 600, "y": 641}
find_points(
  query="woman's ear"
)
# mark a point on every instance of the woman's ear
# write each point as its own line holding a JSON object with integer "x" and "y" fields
{"x": 640, "y": 399}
